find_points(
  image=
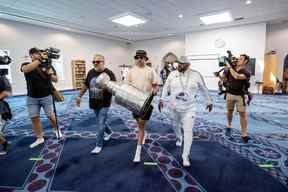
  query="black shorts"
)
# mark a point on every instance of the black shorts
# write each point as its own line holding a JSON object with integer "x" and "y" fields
{"x": 146, "y": 116}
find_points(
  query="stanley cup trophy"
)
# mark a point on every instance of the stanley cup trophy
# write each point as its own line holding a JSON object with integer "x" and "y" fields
{"x": 128, "y": 96}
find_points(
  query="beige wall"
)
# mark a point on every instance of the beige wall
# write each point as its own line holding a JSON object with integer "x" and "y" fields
{"x": 18, "y": 38}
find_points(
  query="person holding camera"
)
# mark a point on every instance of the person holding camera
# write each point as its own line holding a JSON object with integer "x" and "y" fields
{"x": 38, "y": 76}
{"x": 144, "y": 78}
{"x": 180, "y": 92}
{"x": 5, "y": 90}
{"x": 237, "y": 79}
{"x": 99, "y": 99}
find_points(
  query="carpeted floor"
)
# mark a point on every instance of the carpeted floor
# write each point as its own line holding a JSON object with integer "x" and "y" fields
{"x": 218, "y": 163}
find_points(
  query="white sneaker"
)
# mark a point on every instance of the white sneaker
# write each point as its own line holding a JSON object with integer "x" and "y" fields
{"x": 58, "y": 134}
{"x": 107, "y": 136}
{"x": 37, "y": 142}
{"x": 186, "y": 162}
{"x": 137, "y": 157}
{"x": 3, "y": 153}
{"x": 179, "y": 143}
{"x": 96, "y": 150}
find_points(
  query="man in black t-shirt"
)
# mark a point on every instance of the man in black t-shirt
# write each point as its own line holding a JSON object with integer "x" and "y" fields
{"x": 237, "y": 87}
{"x": 38, "y": 79}
{"x": 5, "y": 90}
{"x": 99, "y": 99}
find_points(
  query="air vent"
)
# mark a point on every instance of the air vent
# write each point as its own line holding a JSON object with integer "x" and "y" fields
{"x": 238, "y": 18}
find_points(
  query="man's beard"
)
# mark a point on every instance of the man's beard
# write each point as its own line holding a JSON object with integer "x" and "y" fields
{"x": 182, "y": 69}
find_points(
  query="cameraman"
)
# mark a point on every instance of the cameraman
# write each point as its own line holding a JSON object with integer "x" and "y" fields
{"x": 237, "y": 78}
{"x": 38, "y": 78}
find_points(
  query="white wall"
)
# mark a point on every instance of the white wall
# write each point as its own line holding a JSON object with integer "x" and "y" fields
{"x": 277, "y": 40}
{"x": 249, "y": 39}
{"x": 157, "y": 48}
{"x": 19, "y": 37}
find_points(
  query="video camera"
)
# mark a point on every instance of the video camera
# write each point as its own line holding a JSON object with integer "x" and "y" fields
{"x": 226, "y": 59}
{"x": 51, "y": 53}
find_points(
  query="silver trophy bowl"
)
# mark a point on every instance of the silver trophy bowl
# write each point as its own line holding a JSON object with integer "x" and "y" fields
{"x": 126, "y": 95}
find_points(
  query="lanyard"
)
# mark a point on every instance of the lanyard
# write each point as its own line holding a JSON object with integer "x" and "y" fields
{"x": 184, "y": 87}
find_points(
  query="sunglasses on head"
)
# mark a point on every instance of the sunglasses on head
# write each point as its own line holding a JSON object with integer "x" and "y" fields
{"x": 138, "y": 57}
{"x": 96, "y": 62}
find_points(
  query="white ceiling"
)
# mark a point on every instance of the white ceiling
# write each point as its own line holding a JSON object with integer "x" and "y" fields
{"x": 92, "y": 16}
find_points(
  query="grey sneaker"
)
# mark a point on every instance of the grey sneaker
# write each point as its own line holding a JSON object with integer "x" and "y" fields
{"x": 96, "y": 150}
{"x": 107, "y": 136}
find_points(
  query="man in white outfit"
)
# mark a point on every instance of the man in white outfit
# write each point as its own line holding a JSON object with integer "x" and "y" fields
{"x": 180, "y": 92}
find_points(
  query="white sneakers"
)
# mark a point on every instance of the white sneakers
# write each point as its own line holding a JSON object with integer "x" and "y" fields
{"x": 58, "y": 134}
{"x": 3, "y": 153}
{"x": 137, "y": 157}
{"x": 37, "y": 142}
{"x": 186, "y": 162}
{"x": 179, "y": 143}
{"x": 96, "y": 150}
{"x": 107, "y": 136}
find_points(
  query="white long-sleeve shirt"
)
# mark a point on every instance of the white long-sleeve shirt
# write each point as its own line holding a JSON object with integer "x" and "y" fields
{"x": 181, "y": 88}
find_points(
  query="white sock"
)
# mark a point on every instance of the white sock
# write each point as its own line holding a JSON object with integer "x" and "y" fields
{"x": 138, "y": 149}
{"x": 137, "y": 157}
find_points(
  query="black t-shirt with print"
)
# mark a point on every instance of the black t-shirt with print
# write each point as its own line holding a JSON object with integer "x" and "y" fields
{"x": 237, "y": 86}
{"x": 98, "y": 97}
{"x": 38, "y": 84}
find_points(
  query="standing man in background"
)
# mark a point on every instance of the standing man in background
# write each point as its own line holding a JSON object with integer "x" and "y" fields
{"x": 144, "y": 78}
{"x": 99, "y": 99}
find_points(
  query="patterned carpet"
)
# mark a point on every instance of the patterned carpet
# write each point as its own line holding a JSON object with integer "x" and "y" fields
{"x": 268, "y": 126}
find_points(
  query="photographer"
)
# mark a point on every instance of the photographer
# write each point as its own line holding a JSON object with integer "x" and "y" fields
{"x": 237, "y": 78}
{"x": 5, "y": 90}
{"x": 38, "y": 77}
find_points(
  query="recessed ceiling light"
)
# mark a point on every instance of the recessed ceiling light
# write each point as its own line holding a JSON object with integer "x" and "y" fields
{"x": 128, "y": 19}
{"x": 67, "y": 29}
{"x": 217, "y": 18}
{"x": 180, "y": 16}
{"x": 248, "y": 2}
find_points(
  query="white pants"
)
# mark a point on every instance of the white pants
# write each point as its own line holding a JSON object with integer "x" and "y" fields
{"x": 183, "y": 123}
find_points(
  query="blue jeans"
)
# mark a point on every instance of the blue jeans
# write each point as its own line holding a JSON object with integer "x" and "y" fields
{"x": 101, "y": 117}
{"x": 34, "y": 106}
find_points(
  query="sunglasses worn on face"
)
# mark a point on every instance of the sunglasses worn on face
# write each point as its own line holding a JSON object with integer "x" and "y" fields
{"x": 96, "y": 62}
{"x": 138, "y": 57}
